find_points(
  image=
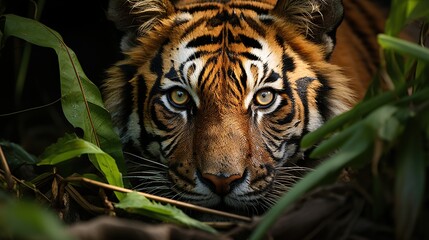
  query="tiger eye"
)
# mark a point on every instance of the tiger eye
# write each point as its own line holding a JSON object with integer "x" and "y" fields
{"x": 264, "y": 97}
{"x": 179, "y": 97}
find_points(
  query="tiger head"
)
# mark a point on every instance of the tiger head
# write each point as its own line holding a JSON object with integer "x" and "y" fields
{"x": 216, "y": 96}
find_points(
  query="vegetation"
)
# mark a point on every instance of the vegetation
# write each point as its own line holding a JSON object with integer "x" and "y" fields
{"x": 383, "y": 143}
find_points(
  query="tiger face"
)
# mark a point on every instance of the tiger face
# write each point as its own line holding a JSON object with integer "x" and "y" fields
{"x": 216, "y": 96}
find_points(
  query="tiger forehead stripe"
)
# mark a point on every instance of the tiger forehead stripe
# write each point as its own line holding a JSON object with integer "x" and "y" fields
{"x": 258, "y": 7}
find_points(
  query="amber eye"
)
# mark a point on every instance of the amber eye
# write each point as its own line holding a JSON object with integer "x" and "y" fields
{"x": 179, "y": 97}
{"x": 264, "y": 97}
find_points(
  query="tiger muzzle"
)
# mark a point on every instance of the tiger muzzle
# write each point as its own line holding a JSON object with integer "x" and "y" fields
{"x": 221, "y": 153}
{"x": 220, "y": 183}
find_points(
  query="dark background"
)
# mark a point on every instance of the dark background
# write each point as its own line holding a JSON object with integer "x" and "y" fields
{"x": 86, "y": 30}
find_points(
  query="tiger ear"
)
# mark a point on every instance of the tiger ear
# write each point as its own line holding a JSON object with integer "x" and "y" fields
{"x": 137, "y": 17}
{"x": 317, "y": 19}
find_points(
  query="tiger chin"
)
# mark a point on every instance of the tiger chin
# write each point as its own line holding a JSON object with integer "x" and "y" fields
{"x": 212, "y": 98}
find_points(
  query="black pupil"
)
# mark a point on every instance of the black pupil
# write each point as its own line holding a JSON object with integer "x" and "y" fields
{"x": 180, "y": 94}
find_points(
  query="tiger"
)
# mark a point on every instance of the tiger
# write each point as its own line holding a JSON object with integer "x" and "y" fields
{"x": 212, "y": 98}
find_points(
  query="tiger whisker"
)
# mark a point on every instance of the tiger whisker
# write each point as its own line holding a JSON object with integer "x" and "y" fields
{"x": 144, "y": 159}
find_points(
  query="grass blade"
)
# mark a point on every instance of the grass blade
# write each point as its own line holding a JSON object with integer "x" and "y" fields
{"x": 403, "y": 47}
{"x": 410, "y": 181}
{"x": 354, "y": 147}
{"x": 338, "y": 122}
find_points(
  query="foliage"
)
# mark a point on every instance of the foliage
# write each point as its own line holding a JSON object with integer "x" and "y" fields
{"x": 81, "y": 100}
{"x": 388, "y": 131}
{"x": 84, "y": 109}
{"x": 28, "y": 221}
{"x": 71, "y": 146}
{"x": 137, "y": 203}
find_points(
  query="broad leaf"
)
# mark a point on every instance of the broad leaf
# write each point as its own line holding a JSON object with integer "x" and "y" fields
{"x": 137, "y": 203}
{"x": 16, "y": 156}
{"x": 21, "y": 220}
{"x": 81, "y": 99}
{"x": 70, "y": 147}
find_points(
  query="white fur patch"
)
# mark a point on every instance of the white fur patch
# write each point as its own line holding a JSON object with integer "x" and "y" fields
{"x": 254, "y": 85}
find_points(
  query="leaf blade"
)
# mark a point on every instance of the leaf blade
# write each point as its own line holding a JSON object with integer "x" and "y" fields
{"x": 137, "y": 203}
{"x": 79, "y": 94}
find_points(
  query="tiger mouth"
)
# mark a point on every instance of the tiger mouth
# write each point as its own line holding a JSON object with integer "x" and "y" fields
{"x": 239, "y": 197}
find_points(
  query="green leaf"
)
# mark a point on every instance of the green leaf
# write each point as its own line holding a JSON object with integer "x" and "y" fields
{"x": 354, "y": 114}
{"x": 22, "y": 220}
{"x": 336, "y": 141}
{"x": 107, "y": 165}
{"x": 16, "y": 156}
{"x": 378, "y": 122}
{"x": 67, "y": 148}
{"x": 358, "y": 144}
{"x": 404, "y": 47}
{"x": 70, "y": 147}
{"x": 380, "y": 116}
{"x": 391, "y": 129}
{"x": 403, "y": 12}
{"x": 137, "y": 203}
{"x": 81, "y": 99}
{"x": 417, "y": 9}
{"x": 410, "y": 180}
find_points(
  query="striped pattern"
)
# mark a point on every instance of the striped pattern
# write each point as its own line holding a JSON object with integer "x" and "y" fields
{"x": 221, "y": 55}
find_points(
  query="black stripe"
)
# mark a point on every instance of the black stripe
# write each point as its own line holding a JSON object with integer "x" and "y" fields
{"x": 232, "y": 75}
{"x": 172, "y": 75}
{"x": 217, "y": 20}
{"x": 169, "y": 149}
{"x": 200, "y": 8}
{"x": 274, "y": 76}
{"x": 302, "y": 87}
{"x": 288, "y": 64}
{"x": 234, "y": 20}
{"x": 199, "y": 54}
{"x": 200, "y": 82}
{"x": 192, "y": 27}
{"x": 250, "y": 56}
{"x": 254, "y": 8}
{"x": 159, "y": 124}
{"x": 271, "y": 152}
{"x": 255, "y": 26}
{"x": 156, "y": 63}
{"x": 266, "y": 21}
{"x": 287, "y": 119}
{"x": 243, "y": 77}
{"x": 204, "y": 40}
{"x": 322, "y": 99}
{"x": 288, "y": 91}
{"x": 280, "y": 41}
{"x": 144, "y": 138}
{"x": 249, "y": 42}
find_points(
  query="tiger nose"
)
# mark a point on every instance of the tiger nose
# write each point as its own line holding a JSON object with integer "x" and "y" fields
{"x": 221, "y": 183}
